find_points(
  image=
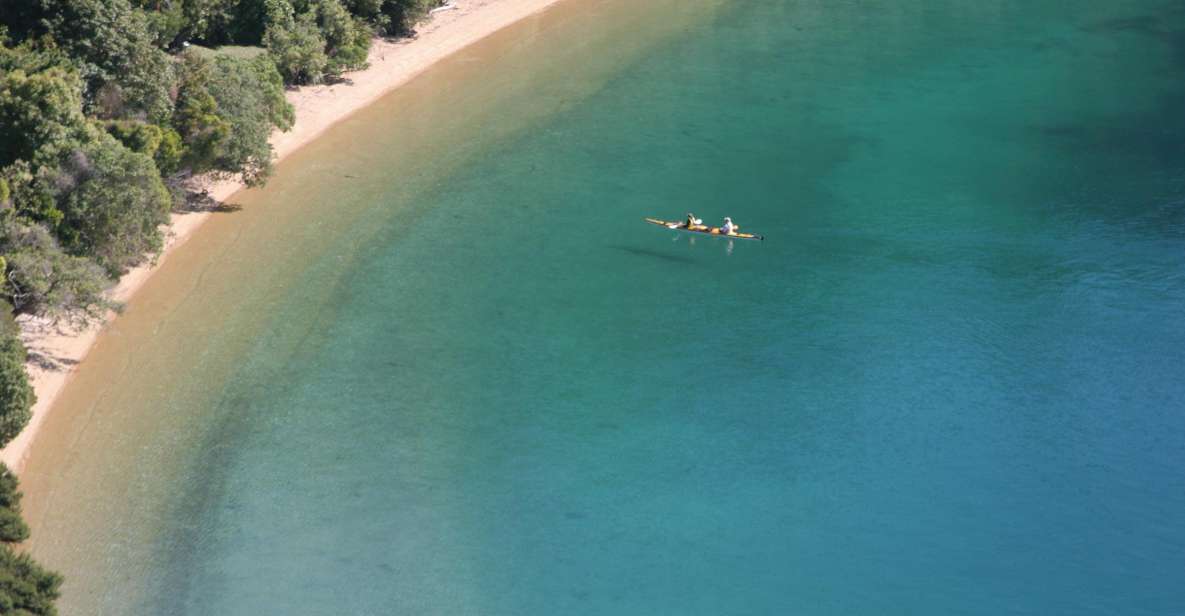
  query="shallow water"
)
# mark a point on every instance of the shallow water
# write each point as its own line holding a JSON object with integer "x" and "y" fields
{"x": 440, "y": 366}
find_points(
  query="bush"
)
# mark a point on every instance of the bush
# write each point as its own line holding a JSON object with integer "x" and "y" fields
{"x": 12, "y": 528}
{"x": 403, "y": 15}
{"x": 39, "y": 112}
{"x": 126, "y": 74}
{"x": 25, "y": 586}
{"x": 226, "y": 110}
{"x": 41, "y": 279}
{"x": 295, "y": 43}
{"x": 8, "y": 326}
{"x": 347, "y": 39}
{"x": 16, "y": 395}
{"x": 113, "y": 204}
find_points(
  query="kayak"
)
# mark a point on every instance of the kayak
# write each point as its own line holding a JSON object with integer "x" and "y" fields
{"x": 703, "y": 230}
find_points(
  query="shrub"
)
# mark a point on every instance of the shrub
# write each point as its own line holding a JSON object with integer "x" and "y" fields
{"x": 113, "y": 204}
{"x": 25, "y": 586}
{"x": 295, "y": 43}
{"x": 39, "y": 111}
{"x": 12, "y": 528}
{"x": 41, "y": 279}
{"x": 16, "y": 395}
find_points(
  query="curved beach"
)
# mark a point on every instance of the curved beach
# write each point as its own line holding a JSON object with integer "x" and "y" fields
{"x": 56, "y": 349}
{"x": 440, "y": 364}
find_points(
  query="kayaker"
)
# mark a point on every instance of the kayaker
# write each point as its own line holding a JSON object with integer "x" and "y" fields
{"x": 728, "y": 228}
{"x": 692, "y": 221}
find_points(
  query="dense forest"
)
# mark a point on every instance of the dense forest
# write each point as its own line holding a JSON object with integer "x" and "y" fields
{"x": 107, "y": 107}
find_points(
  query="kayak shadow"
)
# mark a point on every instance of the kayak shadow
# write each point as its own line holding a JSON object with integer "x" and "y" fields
{"x": 654, "y": 254}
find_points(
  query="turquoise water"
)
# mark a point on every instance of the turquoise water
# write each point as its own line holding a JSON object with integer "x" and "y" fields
{"x": 949, "y": 382}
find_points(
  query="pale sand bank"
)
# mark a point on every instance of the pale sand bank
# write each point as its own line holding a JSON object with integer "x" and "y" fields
{"x": 56, "y": 351}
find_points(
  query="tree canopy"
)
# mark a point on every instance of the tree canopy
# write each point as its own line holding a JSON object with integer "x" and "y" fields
{"x": 25, "y": 586}
{"x": 16, "y": 396}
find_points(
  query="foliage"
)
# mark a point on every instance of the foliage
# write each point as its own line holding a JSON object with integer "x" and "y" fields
{"x": 113, "y": 204}
{"x": 165, "y": 20}
{"x": 216, "y": 22}
{"x": 16, "y": 398}
{"x": 12, "y": 528}
{"x": 202, "y": 130}
{"x": 162, "y": 144}
{"x": 244, "y": 52}
{"x": 226, "y": 109}
{"x": 40, "y": 112}
{"x": 316, "y": 43}
{"x": 125, "y": 72}
{"x": 250, "y": 96}
{"x": 136, "y": 136}
{"x": 8, "y": 325}
{"x": 295, "y": 43}
{"x": 168, "y": 153}
{"x": 42, "y": 279}
{"x": 369, "y": 11}
{"x": 33, "y": 195}
{"x": 402, "y": 15}
{"x": 347, "y": 39}
{"x": 25, "y": 587}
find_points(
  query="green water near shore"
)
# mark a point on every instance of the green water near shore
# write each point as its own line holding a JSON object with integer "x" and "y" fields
{"x": 440, "y": 365}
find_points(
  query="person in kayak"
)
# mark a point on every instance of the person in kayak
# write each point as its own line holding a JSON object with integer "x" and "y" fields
{"x": 692, "y": 222}
{"x": 728, "y": 228}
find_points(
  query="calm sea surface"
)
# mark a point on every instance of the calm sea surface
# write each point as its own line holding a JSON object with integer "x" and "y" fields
{"x": 440, "y": 366}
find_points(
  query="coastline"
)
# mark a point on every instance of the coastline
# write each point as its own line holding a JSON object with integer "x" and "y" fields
{"x": 55, "y": 350}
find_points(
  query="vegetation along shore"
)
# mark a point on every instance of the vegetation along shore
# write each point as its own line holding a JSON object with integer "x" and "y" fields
{"x": 125, "y": 123}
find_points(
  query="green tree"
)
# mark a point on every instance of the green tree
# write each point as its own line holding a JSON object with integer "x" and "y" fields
{"x": 295, "y": 43}
{"x": 226, "y": 111}
{"x": 347, "y": 39}
{"x": 16, "y": 395}
{"x": 162, "y": 144}
{"x": 12, "y": 528}
{"x": 126, "y": 74}
{"x": 39, "y": 112}
{"x": 26, "y": 588}
{"x": 8, "y": 324}
{"x": 136, "y": 136}
{"x": 403, "y": 15}
{"x": 33, "y": 194}
{"x": 41, "y": 279}
{"x": 113, "y": 204}
{"x": 216, "y": 22}
{"x": 250, "y": 95}
{"x": 165, "y": 20}
{"x": 369, "y": 11}
{"x": 196, "y": 119}
{"x": 168, "y": 154}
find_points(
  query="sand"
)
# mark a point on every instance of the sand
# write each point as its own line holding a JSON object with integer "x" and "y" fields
{"x": 55, "y": 350}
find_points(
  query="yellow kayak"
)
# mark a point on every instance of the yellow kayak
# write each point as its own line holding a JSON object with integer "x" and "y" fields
{"x": 703, "y": 230}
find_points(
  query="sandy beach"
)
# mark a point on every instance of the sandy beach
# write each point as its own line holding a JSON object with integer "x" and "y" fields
{"x": 55, "y": 350}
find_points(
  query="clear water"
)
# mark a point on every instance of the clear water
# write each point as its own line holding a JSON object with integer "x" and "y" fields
{"x": 949, "y": 382}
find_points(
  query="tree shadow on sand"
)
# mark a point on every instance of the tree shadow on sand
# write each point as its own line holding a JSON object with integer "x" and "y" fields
{"x": 202, "y": 202}
{"x": 49, "y": 362}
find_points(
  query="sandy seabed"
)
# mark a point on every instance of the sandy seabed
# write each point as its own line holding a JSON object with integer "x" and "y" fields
{"x": 55, "y": 350}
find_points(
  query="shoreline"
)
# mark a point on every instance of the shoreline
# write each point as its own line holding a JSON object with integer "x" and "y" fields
{"x": 56, "y": 350}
